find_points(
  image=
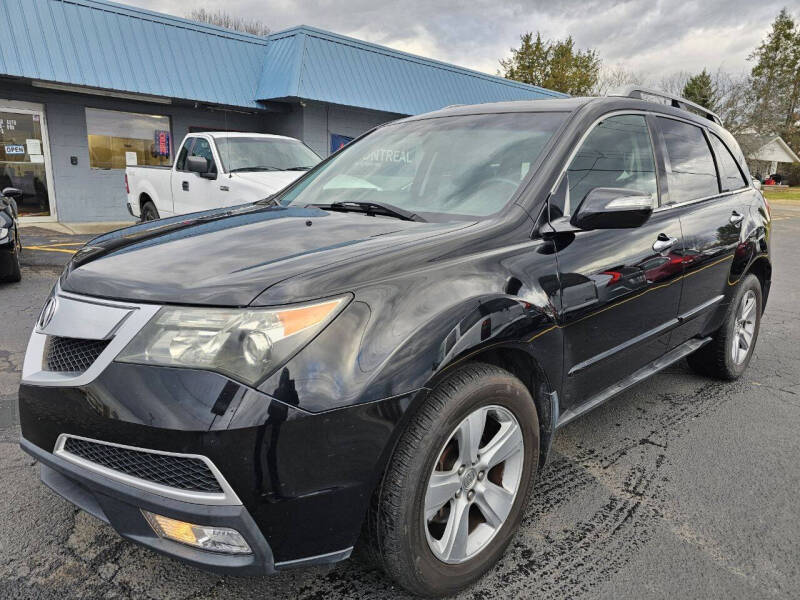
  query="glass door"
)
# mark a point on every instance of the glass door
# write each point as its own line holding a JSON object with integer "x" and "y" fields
{"x": 24, "y": 158}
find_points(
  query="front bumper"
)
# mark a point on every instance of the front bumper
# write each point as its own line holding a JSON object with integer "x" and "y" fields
{"x": 121, "y": 506}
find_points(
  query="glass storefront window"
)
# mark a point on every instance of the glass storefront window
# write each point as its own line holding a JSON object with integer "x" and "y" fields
{"x": 22, "y": 161}
{"x": 118, "y": 139}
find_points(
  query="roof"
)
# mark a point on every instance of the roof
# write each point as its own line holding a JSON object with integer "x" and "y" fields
{"x": 766, "y": 147}
{"x": 110, "y": 46}
{"x": 304, "y": 62}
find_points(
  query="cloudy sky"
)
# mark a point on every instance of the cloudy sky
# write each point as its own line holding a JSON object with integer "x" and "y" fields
{"x": 654, "y": 37}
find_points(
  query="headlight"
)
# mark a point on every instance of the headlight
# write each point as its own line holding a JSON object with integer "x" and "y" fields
{"x": 246, "y": 344}
{"x": 3, "y": 233}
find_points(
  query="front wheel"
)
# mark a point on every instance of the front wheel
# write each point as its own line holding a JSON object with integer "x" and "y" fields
{"x": 729, "y": 353}
{"x": 457, "y": 485}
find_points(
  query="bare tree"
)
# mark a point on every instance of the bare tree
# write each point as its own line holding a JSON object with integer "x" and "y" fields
{"x": 674, "y": 84}
{"x": 220, "y": 18}
{"x": 611, "y": 78}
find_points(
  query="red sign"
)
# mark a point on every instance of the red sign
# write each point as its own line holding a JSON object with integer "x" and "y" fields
{"x": 162, "y": 143}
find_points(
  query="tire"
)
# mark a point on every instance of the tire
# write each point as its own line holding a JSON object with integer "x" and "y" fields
{"x": 716, "y": 359}
{"x": 412, "y": 546}
{"x": 10, "y": 270}
{"x": 149, "y": 211}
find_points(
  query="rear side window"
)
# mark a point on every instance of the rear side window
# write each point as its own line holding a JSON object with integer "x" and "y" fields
{"x": 617, "y": 153}
{"x": 730, "y": 177}
{"x": 691, "y": 173}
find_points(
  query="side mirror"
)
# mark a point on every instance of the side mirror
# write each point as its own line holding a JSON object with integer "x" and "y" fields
{"x": 756, "y": 183}
{"x": 197, "y": 164}
{"x": 14, "y": 193}
{"x": 200, "y": 165}
{"x": 613, "y": 208}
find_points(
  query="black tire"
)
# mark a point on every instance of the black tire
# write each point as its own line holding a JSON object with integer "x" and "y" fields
{"x": 10, "y": 270}
{"x": 397, "y": 530}
{"x": 149, "y": 211}
{"x": 715, "y": 359}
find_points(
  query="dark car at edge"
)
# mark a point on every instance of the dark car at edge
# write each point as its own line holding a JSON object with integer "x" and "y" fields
{"x": 380, "y": 355}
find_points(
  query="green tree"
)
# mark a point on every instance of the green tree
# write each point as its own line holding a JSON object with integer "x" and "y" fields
{"x": 552, "y": 64}
{"x": 700, "y": 89}
{"x": 775, "y": 77}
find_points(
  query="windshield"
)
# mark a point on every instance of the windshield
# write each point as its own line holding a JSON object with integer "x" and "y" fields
{"x": 463, "y": 165}
{"x": 264, "y": 154}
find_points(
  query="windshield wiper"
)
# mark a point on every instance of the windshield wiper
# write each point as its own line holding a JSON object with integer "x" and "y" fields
{"x": 297, "y": 169}
{"x": 264, "y": 168}
{"x": 381, "y": 208}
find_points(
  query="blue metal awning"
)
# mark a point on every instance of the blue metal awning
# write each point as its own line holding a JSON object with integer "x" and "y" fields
{"x": 109, "y": 46}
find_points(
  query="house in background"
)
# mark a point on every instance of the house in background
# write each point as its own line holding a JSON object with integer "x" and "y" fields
{"x": 765, "y": 153}
{"x": 84, "y": 84}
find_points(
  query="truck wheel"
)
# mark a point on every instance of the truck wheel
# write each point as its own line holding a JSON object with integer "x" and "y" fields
{"x": 455, "y": 489}
{"x": 149, "y": 211}
{"x": 729, "y": 353}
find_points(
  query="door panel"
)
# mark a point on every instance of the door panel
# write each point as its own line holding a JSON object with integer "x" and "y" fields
{"x": 711, "y": 220}
{"x": 619, "y": 299}
{"x": 619, "y": 296}
{"x": 711, "y": 241}
{"x": 192, "y": 193}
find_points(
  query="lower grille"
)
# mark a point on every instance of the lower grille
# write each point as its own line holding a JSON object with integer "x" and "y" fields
{"x": 181, "y": 472}
{"x": 71, "y": 355}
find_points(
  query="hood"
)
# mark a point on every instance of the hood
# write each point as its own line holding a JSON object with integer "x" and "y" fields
{"x": 269, "y": 181}
{"x": 227, "y": 257}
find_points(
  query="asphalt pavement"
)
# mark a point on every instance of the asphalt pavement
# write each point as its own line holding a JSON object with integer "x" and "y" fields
{"x": 682, "y": 487}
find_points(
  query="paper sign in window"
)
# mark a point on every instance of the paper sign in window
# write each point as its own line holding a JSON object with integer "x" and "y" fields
{"x": 34, "y": 146}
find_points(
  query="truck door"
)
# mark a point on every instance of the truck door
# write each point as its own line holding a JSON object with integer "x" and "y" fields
{"x": 190, "y": 191}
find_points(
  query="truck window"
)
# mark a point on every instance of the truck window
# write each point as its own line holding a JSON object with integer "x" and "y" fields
{"x": 202, "y": 148}
{"x": 180, "y": 164}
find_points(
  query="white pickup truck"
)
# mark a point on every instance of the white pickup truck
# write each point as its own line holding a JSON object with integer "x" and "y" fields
{"x": 215, "y": 169}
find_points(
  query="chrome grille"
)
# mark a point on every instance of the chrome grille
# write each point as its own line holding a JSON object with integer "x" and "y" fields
{"x": 181, "y": 472}
{"x": 71, "y": 355}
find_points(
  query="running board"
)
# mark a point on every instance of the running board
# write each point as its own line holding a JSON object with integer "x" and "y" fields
{"x": 654, "y": 367}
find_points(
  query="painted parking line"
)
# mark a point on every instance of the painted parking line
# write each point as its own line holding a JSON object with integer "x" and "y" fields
{"x": 50, "y": 249}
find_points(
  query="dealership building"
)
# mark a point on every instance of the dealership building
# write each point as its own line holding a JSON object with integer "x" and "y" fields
{"x": 86, "y": 84}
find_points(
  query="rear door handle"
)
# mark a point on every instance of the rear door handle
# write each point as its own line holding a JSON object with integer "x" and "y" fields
{"x": 664, "y": 242}
{"x": 736, "y": 218}
{"x": 185, "y": 186}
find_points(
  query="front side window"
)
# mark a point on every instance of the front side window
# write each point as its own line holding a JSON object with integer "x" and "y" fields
{"x": 264, "y": 154}
{"x": 730, "y": 177}
{"x": 180, "y": 164}
{"x": 440, "y": 168}
{"x": 202, "y": 148}
{"x": 617, "y": 153}
{"x": 690, "y": 173}
{"x": 119, "y": 139}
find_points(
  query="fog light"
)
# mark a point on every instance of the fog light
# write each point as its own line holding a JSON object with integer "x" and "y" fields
{"x": 205, "y": 537}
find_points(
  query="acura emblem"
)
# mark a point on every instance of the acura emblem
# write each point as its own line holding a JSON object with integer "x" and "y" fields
{"x": 48, "y": 311}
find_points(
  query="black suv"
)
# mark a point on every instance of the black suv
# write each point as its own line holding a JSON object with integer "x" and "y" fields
{"x": 382, "y": 353}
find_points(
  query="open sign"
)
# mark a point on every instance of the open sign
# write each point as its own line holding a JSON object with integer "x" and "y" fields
{"x": 15, "y": 149}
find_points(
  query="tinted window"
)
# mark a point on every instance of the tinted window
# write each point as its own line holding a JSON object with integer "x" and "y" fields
{"x": 691, "y": 173}
{"x": 181, "y": 162}
{"x": 730, "y": 177}
{"x": 441, "y": 168}
{"x": 202, "y": 148}
{"x": 617, "y": 154}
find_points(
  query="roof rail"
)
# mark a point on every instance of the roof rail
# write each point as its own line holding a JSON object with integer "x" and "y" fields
{"x": 642, "y": 93}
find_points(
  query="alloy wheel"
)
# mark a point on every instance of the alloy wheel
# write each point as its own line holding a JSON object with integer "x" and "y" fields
{"x": 744, "y": 328}
{"x": 474, "y": 484}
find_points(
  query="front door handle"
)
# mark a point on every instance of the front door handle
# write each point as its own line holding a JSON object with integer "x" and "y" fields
{"x": 736, "y": 218}
{"x": 664, "y": 242}
{"x": 185, "y": 186}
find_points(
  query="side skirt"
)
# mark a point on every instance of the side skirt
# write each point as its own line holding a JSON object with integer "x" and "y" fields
{"x": 657, "y": 365}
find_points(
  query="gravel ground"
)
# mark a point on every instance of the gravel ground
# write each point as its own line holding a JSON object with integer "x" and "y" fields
{"x": 679, "y": 488}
